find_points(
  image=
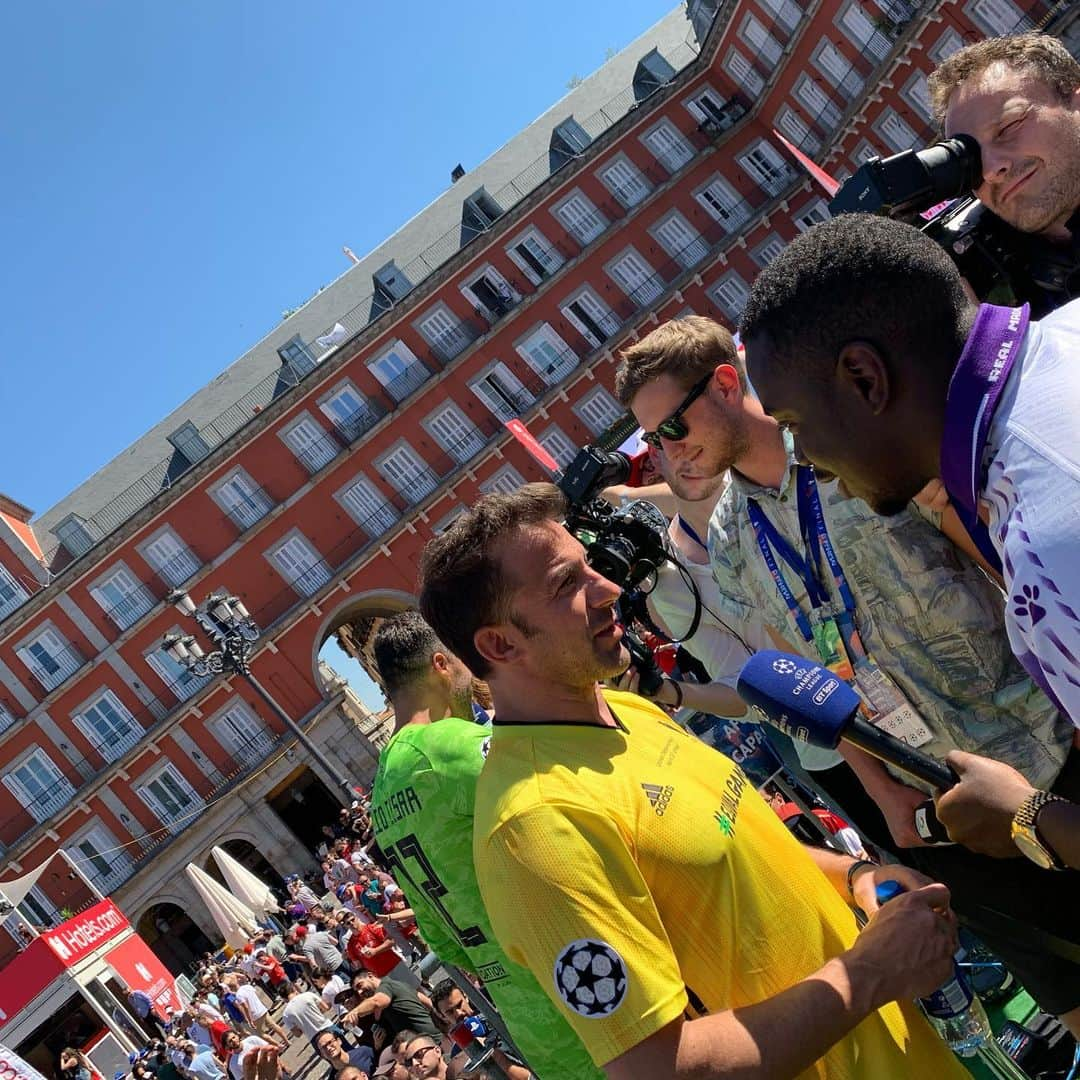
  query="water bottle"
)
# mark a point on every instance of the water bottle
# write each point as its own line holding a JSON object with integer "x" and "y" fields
{"x": 953, "y": 1009}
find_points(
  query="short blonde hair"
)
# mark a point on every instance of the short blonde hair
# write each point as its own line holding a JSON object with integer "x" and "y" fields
{"x": 1043, "y": 56}
{"x": 686, "y": 349}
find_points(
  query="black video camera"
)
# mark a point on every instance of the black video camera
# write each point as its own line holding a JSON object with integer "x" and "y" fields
{"x": 931, "y": 189}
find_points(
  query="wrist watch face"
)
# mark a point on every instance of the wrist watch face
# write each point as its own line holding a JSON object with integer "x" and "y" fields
{"x": 1024, "y": 839}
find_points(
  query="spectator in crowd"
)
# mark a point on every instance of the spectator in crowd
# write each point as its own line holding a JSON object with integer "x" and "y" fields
{"x": 396, "y": 1005}
{"x": 317, "y": 949}
{"x": 74, "y": 1065}
{"x": 256, "y": 1015}
{"x": 453, "y": 1008}
{"x": 230, "y": 1003}
{"x": 329, "y": 1047}
{"x": 578, "y": 878}
{"x": 305, "y": 1013}
{"x": 329, "y": 987}
{"x": 424, "y": 1058}
{"x": 370, "y": 948}
{"x": 302, "y": 894}
{"x": 891, "y": 603}
{"x": 271, "y": 972}
{"x": 201, "y": 1063}
{"x": 238, "y": 1047}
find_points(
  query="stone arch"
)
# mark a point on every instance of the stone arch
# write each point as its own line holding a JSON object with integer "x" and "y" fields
{"x": 172, "y": 934}
{"x": 358, "y": 612}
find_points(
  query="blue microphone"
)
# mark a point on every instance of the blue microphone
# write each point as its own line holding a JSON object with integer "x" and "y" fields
{"x": 808, "y": 702}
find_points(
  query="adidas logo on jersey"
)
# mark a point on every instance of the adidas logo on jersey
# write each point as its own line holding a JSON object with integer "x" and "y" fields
{"x": 659, "y": 796}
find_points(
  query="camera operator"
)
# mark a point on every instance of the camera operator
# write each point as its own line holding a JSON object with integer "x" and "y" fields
{"x": 1019, "y": 98}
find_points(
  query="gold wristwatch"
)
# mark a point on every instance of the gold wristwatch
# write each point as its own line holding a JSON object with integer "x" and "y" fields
{"x": 1026, "y": 836}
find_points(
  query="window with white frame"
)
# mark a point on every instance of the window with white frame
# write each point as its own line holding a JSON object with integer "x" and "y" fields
{"x": 558, "y": 444}
{"x": 708, "y": 106}
{"x": 244, "y": 502}
{"x": 399, "y": 370}
{"x": 443, "y": 332}
{"x": 668, "y": 146}
{"x": 547, "y": 354}
{"x": 242, "y": 733}
{"x": 300, "y": 564}
{"x": 490, "y": 294}
{"x": 501, "y": 391}
{"x": 7, "y": 718}
{"x": 367, "y": 506}
{"x": 636, "y": 278}
{"x": 819, "y": 106}
{"x": 896, "y": 131}
{"x": 753, "y": 32}
{"x": 100, "y": 857}
{"x": 12, "y": 593}
{"x": 794, "y": 128}
{"x": 455, "y": 433}
{"x": 743, "y": 72}
{"x": 624, "y": 180}
{"x": 50, "y": 657}
{"x": 680, "y": 240}
{"x": 730, "y": 294}
{"x": 949, "y": 42}
{"x": 39, "y": 786}
{"x": 860, "y": 28}
{"x": 171, "y": 559}
{"x": 580, "y": 218}
{"x": 176, "y": 677}
{"x": 313, "y": 446}
{"x": 598, "y": 410}
{"x": 108, "y": 726}
{"x": 995, "y": 18}
{"x": 787, "y": 12}
{"x": 916, "y": 93}
{"x": 764, "y": 253}
{"x": 122, "y": 596}
{"x": 722, "y": 202}
{"x": 814, "y": 214}
{"x": 863, "y": 152}
{"x": 349, "y": 411}
{"x": 590, "y": 316}
{"x": 534, "y": 255}
{"x": 36, "y": 908}
{"x": 837, "y": 68}
{"x": 505, "y": 481}
{"x": 407, "y": 473}
{"x": 172, "y": 799}
{"x": 767, "y": 167}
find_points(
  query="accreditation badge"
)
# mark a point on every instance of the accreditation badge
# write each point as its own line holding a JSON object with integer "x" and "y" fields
{"x": 829, "y": 643}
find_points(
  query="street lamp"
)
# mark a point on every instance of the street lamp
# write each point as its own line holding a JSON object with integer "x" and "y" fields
{"x": 231, "y": 628}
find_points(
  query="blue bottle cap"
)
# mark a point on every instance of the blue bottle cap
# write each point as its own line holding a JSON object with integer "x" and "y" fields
{"x": 888, "y": 890}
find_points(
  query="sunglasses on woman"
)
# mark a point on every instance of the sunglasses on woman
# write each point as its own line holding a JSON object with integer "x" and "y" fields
{"x": 675, "y": 427}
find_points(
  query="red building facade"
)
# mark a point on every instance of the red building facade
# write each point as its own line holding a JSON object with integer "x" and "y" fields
{"x": 308, "y": 476}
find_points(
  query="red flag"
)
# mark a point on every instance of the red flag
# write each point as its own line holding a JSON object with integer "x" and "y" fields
{"x": 532, "y": 444}
{"x": 830, "y": 185}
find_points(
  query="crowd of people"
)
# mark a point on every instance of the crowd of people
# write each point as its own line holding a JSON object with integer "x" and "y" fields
{"x": 884, "y": 489}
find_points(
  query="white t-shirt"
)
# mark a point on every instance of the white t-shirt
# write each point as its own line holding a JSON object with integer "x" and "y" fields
{"x": 250, "y": 997}
{"x": 722, "y": 654}
{"x": 303, "y": 1012}
{"x": 334, "y": 985}
{"x": 236, "y": 1061}
{"x": 1032, "y": 492}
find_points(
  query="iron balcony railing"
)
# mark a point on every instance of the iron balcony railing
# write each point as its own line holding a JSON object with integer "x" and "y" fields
{"x": 359, "y": 422}
{"x": 249, "y": 508}
{"x": 465, "y": 448}
{"x": 12, "y": 596}
{"x": 7, "y": 719}
{"x": 178, "y": 569}
{"x": 43, "y": 803}
{"x": 511, "y": 404}
{"x": 319, "y": 453}
{"x": 118, "y": 743}
{"x": 632, "y": 193}
{"x": 132, "y": 607}
{"x": 409, "y": 381}
{"x": 56, "y": 667}
{"x": 451, "y": 343}
{"x": 381, "y": 519}
{"x": 185, "y": 686}
{"x": 420, "y": 484}
{"x": 309, "y": 581}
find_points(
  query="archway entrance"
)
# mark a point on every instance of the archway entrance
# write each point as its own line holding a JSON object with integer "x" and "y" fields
{"x": 175, "y": 939}
{"x": 345, "y": 649}
{"x": 305, "y": 805}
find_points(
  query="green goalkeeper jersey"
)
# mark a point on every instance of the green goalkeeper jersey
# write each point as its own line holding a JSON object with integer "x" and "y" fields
{"x": 422, "y": 807}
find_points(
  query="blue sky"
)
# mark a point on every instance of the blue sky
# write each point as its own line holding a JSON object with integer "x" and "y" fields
{"x": 177, "y": 174}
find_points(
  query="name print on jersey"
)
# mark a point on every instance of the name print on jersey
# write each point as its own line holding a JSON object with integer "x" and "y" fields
{"x": 396, "y": 807}
{"x": 729, "y": 801}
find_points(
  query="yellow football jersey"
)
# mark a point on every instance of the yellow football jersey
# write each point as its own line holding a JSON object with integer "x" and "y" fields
{"x": 640, "y": 876}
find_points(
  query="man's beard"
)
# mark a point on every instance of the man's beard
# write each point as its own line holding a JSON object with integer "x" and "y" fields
{"x": 1059, "y": 199}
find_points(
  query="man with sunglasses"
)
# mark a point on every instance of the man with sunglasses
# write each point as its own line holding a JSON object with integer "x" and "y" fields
{"x": 913, "y": 619}
{"x": 423, "y": 1058}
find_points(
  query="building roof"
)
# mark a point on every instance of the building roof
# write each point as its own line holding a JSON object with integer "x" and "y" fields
{"x": 425, "y": 241}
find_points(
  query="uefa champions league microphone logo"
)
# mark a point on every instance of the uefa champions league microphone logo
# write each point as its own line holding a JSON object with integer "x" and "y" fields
{"x": 784, "y": 666}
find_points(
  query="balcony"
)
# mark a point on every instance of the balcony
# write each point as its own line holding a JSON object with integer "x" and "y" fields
{"x": 106, "y": 871}
{"x": 418, "y": 485}
{"x": 410, "y": 380}
{"x": 7, "y": 719}
{"x": 318, "y": 454}
{"x": 356, "y": 424}
{"x": 114, "y": 745}
{"x": 51, "y": 669}
{"x": 250, "y": 509}
{"x": 127, "y": 611}
{"x": 178, "y": 569}
{"x": 509, "y": 405}
{"x": 451, "y": 343}
{"x": 381, "y": 519}
{"x": 185, "y": 686}
{"x": 46, "y": 801}
{"x": 465, "y": 448}
{"x": 308, "y": 582}
{"x": 12, "y": 595}
{"x": 253, "y": 750}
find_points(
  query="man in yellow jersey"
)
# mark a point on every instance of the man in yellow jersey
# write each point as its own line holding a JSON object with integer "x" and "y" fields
{"x": 596, "y": 816}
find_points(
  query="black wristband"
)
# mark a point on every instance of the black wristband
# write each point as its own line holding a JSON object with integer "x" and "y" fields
{"x": 853, "y": 869}
{"x": 674, "y": 684}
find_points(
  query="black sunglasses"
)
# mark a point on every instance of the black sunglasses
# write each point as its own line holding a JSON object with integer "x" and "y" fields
{"x": 675, "y": 427}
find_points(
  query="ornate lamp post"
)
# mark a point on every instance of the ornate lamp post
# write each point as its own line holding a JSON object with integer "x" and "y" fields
{"x": 230, "y": 626}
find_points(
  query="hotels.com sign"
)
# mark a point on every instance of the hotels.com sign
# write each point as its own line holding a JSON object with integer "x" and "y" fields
{"x": 76, "y": 938}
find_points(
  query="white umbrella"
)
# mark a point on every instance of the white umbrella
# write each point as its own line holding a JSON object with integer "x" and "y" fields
{"x": 247, "y": 886}
{"x": 234, "y": 919}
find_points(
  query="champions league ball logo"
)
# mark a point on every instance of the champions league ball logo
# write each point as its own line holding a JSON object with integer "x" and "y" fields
{"x": 591, "y": 978}
{"x": 784, "y": 667}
